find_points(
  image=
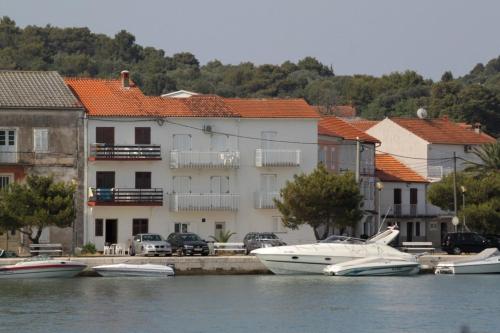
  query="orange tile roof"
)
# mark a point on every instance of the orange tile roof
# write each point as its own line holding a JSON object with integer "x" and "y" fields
{"x": 363, "y": 124}
{"x": 333, "y": 126}
{"x": 389, "y": 169}
{"x": 443, "y": 131}
{"x": 272, "y": 108}
{"x": 108, "y": 98}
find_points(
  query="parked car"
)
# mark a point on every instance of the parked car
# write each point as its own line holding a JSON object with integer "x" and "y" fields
{"x": 188, "y": 243}
{"x": 256, "y": 240}
{"x": 458, "y": 242}
{"x": 493, "y": 239}
{"x": 150, "y": 244}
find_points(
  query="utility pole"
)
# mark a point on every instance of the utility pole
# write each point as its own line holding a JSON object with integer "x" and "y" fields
{"x": 358, "y": 157}
{"x": 455, "y": 185}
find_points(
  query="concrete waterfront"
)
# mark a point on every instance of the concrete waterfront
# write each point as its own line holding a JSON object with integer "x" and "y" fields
{"x": 215, "y": 265}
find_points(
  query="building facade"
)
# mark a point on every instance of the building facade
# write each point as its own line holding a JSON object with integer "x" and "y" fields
{"x": 41, "y": 133}
{"x": 201, "y": 164}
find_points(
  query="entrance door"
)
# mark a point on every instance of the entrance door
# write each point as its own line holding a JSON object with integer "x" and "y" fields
{"x": 8, "y": 146}
{"x": 111, "y": 236}
{"x": 409, "y": 231}
{"x": 444, "y": 229}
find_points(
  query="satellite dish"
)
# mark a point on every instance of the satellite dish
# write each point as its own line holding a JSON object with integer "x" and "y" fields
{"x": 422, "y": 113}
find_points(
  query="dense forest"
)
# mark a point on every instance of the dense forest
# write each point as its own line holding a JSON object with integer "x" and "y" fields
{"x": 474, "y": 97}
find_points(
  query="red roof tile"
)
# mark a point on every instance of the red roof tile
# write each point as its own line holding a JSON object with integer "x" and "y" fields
{"x": 272, "y": 108}
{"x": 333, "y": 126}
{"x": 363, "y": 124}
{"x": 442, "y": 131}
{"x": 389, "y": 169}
{"x": 108, "y": 98}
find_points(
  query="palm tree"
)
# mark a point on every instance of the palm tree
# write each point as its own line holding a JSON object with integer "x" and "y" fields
{"x": 223, "y": 236}
{"x": 489, "y": 154}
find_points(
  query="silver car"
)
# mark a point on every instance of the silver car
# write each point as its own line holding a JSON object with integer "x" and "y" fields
{"x": 150, "y": 244}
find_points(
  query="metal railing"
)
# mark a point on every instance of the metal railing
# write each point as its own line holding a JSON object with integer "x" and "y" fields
{"x": 277, "y": 157}
{"x": 204, "y": 159}
{"x": 265, "y": 200}
{"x": 126, "y": 196}
{"x": 101, "y": 151}
{"x": 204, "y": 202}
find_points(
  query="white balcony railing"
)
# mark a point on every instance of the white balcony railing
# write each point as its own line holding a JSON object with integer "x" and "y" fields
{"x": 185, "y": 202}
{"x": 277, "y": 157}
{"x": 204, "y": 159}
{"x": 265, "y": 200}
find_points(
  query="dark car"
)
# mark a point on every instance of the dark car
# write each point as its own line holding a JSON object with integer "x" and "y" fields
{"x": 256, "y": 240}
{"x": 187, "y": 243}
{"x": 493, "y": 239}
{"x": 458, "y": 242}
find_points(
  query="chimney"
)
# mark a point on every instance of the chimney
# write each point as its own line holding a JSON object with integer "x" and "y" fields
{"x": 125, "y": 79}
{"x": 477, "y": 128}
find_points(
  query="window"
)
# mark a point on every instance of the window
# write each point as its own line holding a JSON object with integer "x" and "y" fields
{"x": 13, "y": 232}
{"x": 181, "y": 227}
{"x": 105, "y": 179}
{"x": 139, "y": 226}
{"x": 105, "y": 135}
{"x": 322, "y": 155}
{"x": 397, "y": 196}
{"x": 40, "y": 140}
{"x": 219, "y": 184}
{"x": 413, "y": 196}
{"x": 182, "y": 184}
{"x": 5, "y": 180}
{"x": 220, "y": 228}
{"x": 99, "y": 227}
{"x": 332, "y": 158}
{"x": 182, "y": 142}
{"x": 143, "y": 180}
{"x": 143, "y": 135}
{"x": 267, "y": 139}
{"x": 417, "y": 229}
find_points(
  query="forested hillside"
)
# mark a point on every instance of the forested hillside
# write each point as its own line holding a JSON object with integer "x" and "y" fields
{"x": 80, "y": 52}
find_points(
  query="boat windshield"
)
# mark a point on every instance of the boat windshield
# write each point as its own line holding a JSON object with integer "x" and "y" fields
{"x": 343, "y": 239}
{"x": 41, "y": 257}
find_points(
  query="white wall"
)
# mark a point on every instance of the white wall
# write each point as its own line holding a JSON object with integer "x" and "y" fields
{"x": 244, "y": 181}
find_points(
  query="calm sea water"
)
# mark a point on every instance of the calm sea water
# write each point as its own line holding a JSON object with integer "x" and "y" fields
{"x": 260, "y": 303}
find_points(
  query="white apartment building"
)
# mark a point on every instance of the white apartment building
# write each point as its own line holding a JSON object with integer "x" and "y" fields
{"x": 337, "y": 150}
{"x": 201, "y": 164}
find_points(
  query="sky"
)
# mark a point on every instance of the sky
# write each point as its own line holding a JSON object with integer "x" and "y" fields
{"x": 354, "y": 36}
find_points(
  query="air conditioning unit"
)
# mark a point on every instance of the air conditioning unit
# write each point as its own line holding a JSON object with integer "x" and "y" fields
{"x": 207, "y": 128}
{"x": 467, "y": 148}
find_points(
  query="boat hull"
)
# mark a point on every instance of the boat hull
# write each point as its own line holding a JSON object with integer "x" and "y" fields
{"x": 304, "y": 264}
{"x": 472, "y": 268}
{"x": 121, "y": 270}
{"x": 42, "y": 271}
{"x": 394, "y": 269}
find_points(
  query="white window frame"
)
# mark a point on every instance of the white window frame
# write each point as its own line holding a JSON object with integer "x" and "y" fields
{"x": 181, "y": 225}
{"x": 42, "y": 147}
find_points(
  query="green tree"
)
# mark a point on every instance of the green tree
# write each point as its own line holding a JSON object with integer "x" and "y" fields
{"x": 322, "y": 200}
{"x": 489, "y": 154}
{"x": 32, "y": 206}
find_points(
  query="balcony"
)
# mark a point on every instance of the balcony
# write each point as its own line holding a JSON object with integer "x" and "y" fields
{"x": 204, "y": 159}
{"x": 406, "y": 210}
{"x": 205, "y": 202}
{"x": 265, "y": 200}
{"x": 277, "y": 158}
{"x": 106, "y": 152}
{"x": 125, "y": 197}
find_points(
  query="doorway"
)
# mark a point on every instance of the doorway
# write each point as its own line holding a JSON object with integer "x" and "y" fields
{"x": 409, "y": 231}
{"x": 111, "y": 236}
{"x": 444, "y": 229}
{"x": 220, "y": 228}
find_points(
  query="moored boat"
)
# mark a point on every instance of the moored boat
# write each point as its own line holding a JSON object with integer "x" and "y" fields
{"x": 485, "y": 262}
{"x": 374, "y": 266}
{"x": 42, "y": 267}
{"x": 124, "y": 269}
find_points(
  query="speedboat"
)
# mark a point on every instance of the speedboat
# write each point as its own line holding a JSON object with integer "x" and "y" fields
{"x": 42, "y": 267}
{"x": 313, "y": 258}
{"x": 125, "y": 269}
{"x": 374, "y": 266}
{"x": 485, "y": 262}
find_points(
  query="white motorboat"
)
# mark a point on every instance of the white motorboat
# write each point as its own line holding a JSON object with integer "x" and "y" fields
{"x": 124, "y": 269}
{"x": 42, "y": 267}
{"x": 374, "y": 266}
{"x": 313, "y": 258}
{"x": 485, "y": 262}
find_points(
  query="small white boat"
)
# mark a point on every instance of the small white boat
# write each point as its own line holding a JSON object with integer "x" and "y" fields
{"x": 124, "y": 269}
{"x": 374, "y": 266}
{"x": 485, "y": 262}
{"x": 42, "y": 267}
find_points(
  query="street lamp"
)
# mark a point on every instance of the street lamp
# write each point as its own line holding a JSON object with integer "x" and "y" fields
{"x": 380, "y": 187}
{"x": 463, "y": 189}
